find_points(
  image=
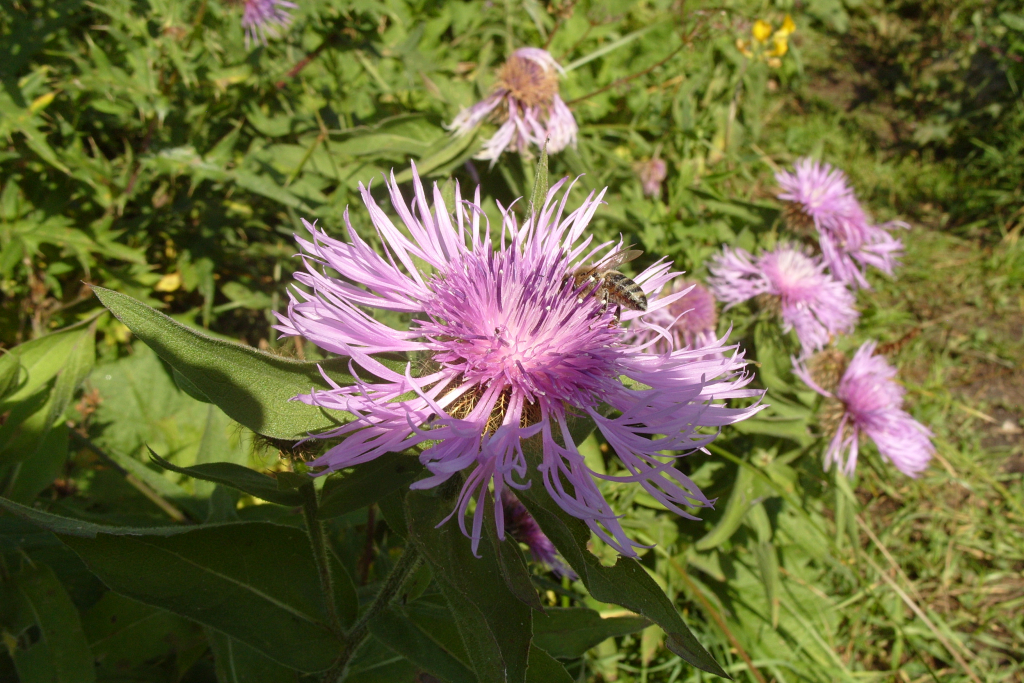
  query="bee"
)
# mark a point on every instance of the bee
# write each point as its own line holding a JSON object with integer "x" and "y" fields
{"x": 612, "y": 287}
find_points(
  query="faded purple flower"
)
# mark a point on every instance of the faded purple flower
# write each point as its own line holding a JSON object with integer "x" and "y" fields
{"x": 524, "y": 528}
{"x": 508, "y": 348}
{"x": 262, "y": 18}
{"x": 868, "y": 401}
{"x": 652, "y": 174}
{"x": 689, "y": 321}
{"x": 819, "y": 196}
{"x": 789, "y": 282}
{"x": 527, "y": 104}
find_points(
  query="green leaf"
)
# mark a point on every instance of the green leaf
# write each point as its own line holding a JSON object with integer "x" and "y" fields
{"x": 627, "y": 583}
{"x": 126, "y": 636}
{"x": 66, "y": 526}
{"x": 39, "y": 470}
{"x": 511, "y": 562}
{"x": 61, "y": 360}
{"x": 236, "y": 662}
{"x": 61, "y": 654}
{"x": 252, "y": 387}
{"x": 545, "y": 669}
{"x": 496, "y": 627}
{"x": 570, "y": 632}
{"x": 747, "y": 490}
{"x": 394, "y": 628}
{"x": 253, "y": 581}
{"x": 238, "y": 477}
{"x": 368, "y": 483}
{"x": 10, "y": 374}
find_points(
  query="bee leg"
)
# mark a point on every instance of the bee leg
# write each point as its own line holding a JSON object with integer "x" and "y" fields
{"x": 615, "y": 317}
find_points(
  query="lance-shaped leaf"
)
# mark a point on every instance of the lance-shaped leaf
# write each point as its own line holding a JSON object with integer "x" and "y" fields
{"x": 627, "y": 583}
{"x": 394, "y": 628}
{"x": 569, "y": 632}
{"x": 496, "y": 628}
{"x": 368, "y": 483}
{"x": 253, "y": 581}
{"x": 244, "y": 479}
{"x": 254, "y": 388}
{"x": 61, "y": 653}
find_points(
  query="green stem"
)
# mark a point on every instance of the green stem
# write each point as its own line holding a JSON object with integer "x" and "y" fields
{"x": 355, "y": 638}
{"x": 319, "y": 545}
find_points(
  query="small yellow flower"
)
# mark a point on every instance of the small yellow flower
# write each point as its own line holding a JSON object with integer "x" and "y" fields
{"x": 743, "y": 47}
{"x": 168, "y": 283}
{"x": 781, "y": 46}
{"x": 788, "y": 27}
{"x": 761, "y": 31}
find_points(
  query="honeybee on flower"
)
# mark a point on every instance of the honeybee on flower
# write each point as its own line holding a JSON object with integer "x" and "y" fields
{"x": 769, "y": 43}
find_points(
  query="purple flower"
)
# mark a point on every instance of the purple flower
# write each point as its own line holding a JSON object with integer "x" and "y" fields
{"x": 508, "y": 348}
{"x": 790, "y": 282}
{"x": 526, "y": 103}
{"x": 652, "y": 174}
{"x": 689, "y": 321}
{"x": 262, "y": 18}
{"x": 869, "y": 401}
{"x": 819, "y": 196}
{"x": 524, "y": 529}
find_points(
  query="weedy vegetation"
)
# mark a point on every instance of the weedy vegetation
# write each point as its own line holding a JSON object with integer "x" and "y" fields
{"x": 155, "y": 512}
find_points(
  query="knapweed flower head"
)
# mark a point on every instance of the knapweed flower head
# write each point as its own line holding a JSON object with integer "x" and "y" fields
{"x": 526, "y": 103}
{"x": 652, "y": 174}
{"x": 818, "y": 196}
{"x": 869, "y": 402}
{"x": 510, "y": 352}
{"x": 263, "y": 18}
{"x": 521, "y": 525}
{"x": 786, "y": 280}
{"x": 689, "y": 322}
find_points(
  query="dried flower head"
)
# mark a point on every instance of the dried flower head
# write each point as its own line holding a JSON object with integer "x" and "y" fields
{"x": 690, "y": 320}
{"x": 807, "y": 298}
{"x": 652, "y": 174}
{"x": 524, "y": 528}
{"x": 262, "y": 18}
{"x": 819, "y": 196}
{"x": 512, "y": 350}
{"x": 527, "y": 104}
{"x": 868, "y": 401}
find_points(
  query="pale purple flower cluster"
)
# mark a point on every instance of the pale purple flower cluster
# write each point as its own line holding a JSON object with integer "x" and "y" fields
{"x": 871, "y": 403}
{"x": 527, "y": 104}
{"x": 689, "y": 322}
{"x": 509, "y": 348}
{"x": 652, "y": 174}
{"x": 262, "y": 18}
{"x": 818, "y": 194}
{"x": 808, "y": 299}
{"x": 524, "y": 528}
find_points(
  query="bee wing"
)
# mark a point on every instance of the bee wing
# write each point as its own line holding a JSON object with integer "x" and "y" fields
{"x": 616, "y": 259}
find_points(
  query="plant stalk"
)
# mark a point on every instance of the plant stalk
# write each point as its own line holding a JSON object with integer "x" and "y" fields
{"x": 355, "y": 638}
{"x": 315, "y": 530}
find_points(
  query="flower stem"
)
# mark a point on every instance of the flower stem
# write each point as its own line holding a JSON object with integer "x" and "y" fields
{"x": 315, "y": 531}
{"x": 355, "y": 638}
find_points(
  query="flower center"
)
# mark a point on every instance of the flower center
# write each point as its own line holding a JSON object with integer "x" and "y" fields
{"x": 798, "y": 220}
{"x": 528, "y": 81}
{"x": 505, "y": 325}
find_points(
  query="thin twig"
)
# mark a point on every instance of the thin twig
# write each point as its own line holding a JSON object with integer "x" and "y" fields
{"x": 143, "y": 488}
{"x": 355, "y": 638}
{"x": 315, "y": 530}
{"x": 627, "y": 79}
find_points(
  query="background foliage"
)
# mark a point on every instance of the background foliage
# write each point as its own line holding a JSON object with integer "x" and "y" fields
{"x": 146, "y": 150}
